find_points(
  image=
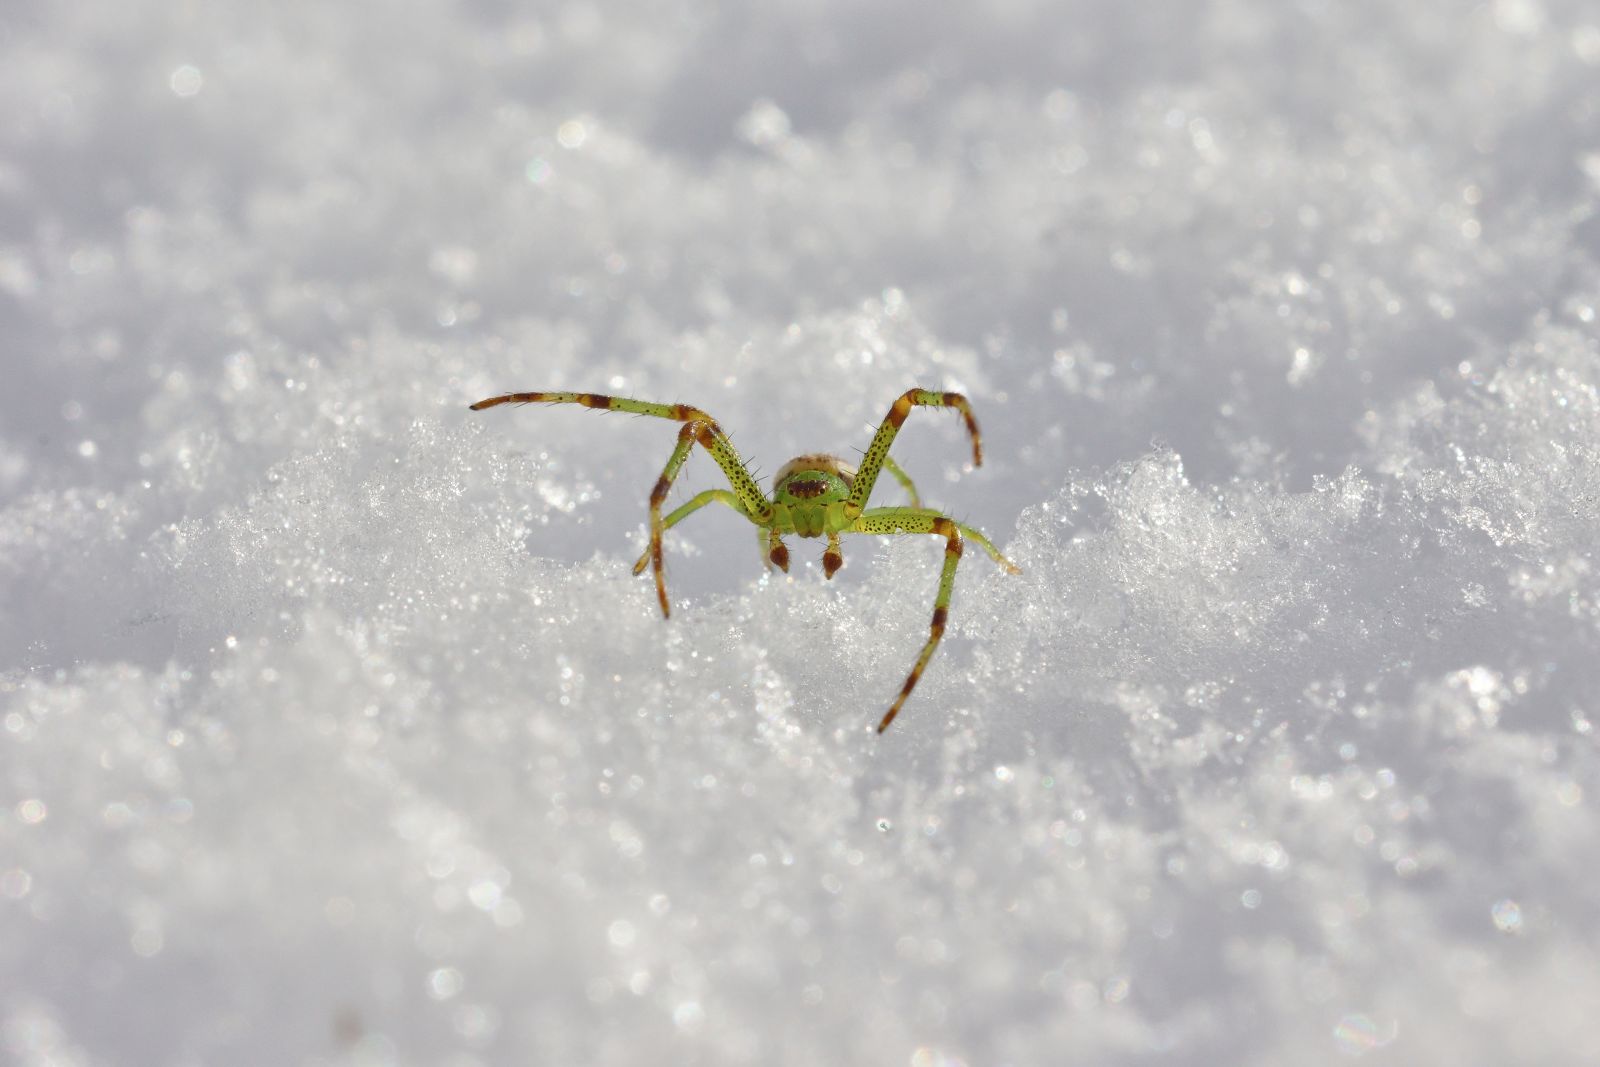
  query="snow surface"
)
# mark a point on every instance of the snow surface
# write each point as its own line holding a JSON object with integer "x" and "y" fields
{"x": 334, "y": 728}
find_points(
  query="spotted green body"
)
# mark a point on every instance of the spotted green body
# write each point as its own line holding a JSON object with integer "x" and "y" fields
{"x": 814, "y": 495}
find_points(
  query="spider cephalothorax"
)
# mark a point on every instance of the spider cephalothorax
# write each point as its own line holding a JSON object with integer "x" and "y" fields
{"x": 812, "y": 496}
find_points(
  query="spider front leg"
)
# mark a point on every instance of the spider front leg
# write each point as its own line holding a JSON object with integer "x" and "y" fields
{"x": 698, "y": 428}
{"x": 907, "y": 520}
{"x": 658, "y": 495}
{"x": 877, "y": 454}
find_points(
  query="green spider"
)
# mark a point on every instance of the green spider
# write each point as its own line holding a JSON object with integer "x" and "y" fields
{"x": 812, "y": 496}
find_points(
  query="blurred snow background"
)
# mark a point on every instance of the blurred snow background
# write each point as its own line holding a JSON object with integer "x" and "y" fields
{"x": 333, "y": 728}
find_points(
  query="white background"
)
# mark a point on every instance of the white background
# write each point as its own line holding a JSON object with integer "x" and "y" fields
{"x": 334, "y": 729}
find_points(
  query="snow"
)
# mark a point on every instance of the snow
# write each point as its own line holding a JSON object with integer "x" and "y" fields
{"x": 334, "y": 728}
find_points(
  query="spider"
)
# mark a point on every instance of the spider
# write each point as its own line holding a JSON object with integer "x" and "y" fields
{"x": 815, "y": 495}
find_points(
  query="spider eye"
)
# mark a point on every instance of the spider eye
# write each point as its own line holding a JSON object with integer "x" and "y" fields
{"x": 807, "y": 488}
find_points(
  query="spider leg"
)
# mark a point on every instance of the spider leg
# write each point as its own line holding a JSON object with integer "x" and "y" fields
{"x": 988, "y": 546}
{"x": 967, "y": 532}
{"x": 709, "y": 435}
{"x": 680, "y": 453}
{"x": 904, "y": 479}
{"x": 699, "y": 501}
{"x": 906, "y": 520}
{"x": 877, "y": 454}
{"x": 698, "y": 428}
